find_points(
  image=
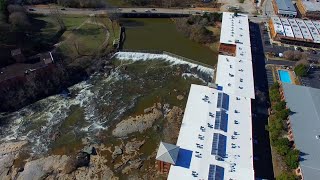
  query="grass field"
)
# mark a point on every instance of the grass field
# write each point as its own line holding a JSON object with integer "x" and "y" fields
{"x": 117, "y": 3}
{"x": 84, "y": 35}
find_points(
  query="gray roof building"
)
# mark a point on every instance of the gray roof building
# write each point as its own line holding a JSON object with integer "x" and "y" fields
{"x": 286, "y": 8}
{"x": 304, "y": 102}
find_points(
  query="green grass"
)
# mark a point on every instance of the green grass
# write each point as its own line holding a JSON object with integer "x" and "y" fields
{"x": 117, "y": 3}
{"x": 88, "y": 39}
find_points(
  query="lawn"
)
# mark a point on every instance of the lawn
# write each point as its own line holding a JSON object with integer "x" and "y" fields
{"x": 86, "y": 40}
{"x": 84, "y": 35}
{"x": 117, "y": 3}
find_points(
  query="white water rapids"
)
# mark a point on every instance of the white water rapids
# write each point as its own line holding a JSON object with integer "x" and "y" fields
{"x": 38, "y": 121}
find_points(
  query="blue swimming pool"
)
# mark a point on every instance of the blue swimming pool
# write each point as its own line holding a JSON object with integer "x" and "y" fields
{"x": 284, "y": 76}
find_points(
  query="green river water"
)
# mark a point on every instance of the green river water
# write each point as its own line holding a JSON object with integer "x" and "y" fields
{"x": 161, "y": 34}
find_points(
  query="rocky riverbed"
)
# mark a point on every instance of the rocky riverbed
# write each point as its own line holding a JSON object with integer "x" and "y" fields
{"x": 109, "y": 128}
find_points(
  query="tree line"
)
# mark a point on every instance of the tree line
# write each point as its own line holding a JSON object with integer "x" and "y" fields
{"x": 195, "y": 27}
{"x": 278, "y": 130}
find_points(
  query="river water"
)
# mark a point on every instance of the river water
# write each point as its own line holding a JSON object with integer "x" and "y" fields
{"x": 161, "y": 34}
{"x": 57, "y": 125}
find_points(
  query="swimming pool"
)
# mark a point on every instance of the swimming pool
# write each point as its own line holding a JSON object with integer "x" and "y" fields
{"x": 284, "y": 76}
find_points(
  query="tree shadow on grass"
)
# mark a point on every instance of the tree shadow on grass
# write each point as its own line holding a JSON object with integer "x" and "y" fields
{"x": 130, "y": 23}
{"x": 88, "y": 32}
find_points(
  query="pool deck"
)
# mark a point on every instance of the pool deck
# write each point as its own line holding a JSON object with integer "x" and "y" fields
{"x": 291, "y": 74}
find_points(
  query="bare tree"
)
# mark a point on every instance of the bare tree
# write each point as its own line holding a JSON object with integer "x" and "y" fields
{"x": 54, "y": 12}
{"x": 19, "y": 20}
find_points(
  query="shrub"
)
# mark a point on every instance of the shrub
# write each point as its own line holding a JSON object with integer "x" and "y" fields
{"x": 3, "y": 5}
{"x": 275, "y": 85}
{"x": 15, "y": 8}
{"x": 301, "y": 70}
{"x": 292, "y": 159}
{"x": 282, "y": 146}
{"x": 280, "y": 106}
{"x": 283, "y": 114}
{"x": 286, "y": 176}
{"x": 275, "y": 95}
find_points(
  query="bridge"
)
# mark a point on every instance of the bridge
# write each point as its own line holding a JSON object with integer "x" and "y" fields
{"x": 44, "y": 9}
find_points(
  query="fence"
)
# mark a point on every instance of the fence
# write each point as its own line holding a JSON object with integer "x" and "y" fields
{"x": 169, "y": 54}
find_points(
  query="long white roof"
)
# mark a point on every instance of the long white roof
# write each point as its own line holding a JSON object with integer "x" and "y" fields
{"x": 235, "y": 29}
{"x": 239, "y": 161}
{"x": 235, "y": 76}
{"x": 218, "y": 121}
{"x": 234, "y": 73}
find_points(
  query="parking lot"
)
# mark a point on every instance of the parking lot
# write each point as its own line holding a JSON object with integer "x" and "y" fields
{"x": 268, "y": 47}
{"x": 313, "y": 78}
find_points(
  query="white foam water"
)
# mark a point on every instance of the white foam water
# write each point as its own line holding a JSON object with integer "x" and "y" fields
{"x": 185, "y": 75}
{"x": 136, "y": 56}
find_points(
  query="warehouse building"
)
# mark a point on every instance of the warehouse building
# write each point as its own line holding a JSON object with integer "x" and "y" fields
{"x": 295, "y": 31}
{"x": 309, "y": 8}
{"x": 304, "y": 127}
{"x": 284, "y": 8}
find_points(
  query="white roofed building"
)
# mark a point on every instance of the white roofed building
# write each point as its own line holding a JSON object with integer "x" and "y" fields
{"x": 215, "y": 138}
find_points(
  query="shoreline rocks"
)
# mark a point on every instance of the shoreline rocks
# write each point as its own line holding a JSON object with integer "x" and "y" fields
{"x": 137, "y": 124}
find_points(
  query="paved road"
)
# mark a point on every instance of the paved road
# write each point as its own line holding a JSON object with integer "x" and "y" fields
{"x": 280, "y": 62}
{"x": 47, "y": 10}
{"x": 268, "y": 8}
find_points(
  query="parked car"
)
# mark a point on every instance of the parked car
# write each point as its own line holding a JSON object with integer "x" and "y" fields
{"x": 153, "y": 9}
{"x": 32, "y": 9}
{"x": 147, "y": 11}
{"x": 133, "y": 10}
{"x": 63, "y": 9}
